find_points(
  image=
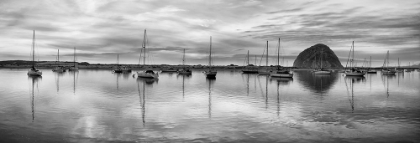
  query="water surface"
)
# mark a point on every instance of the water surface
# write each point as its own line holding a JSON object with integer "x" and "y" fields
{"x": 99, "y": 106}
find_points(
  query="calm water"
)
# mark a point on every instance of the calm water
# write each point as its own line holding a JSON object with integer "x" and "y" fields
{"x": 99, "y": 106}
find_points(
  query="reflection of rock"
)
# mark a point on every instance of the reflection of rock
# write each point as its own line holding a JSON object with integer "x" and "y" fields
{"x": 311, "y": 58}
{"x": 316, "y": 83}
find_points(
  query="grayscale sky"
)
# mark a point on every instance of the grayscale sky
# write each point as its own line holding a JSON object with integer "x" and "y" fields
{"x": 101, "y": 29}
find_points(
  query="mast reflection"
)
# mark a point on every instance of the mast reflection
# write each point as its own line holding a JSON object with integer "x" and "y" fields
{"x": 350, "y": 88}
{"x": 34, "y": 80}
{"x": 211, "y": 82}
{"x": 142, "y": 99}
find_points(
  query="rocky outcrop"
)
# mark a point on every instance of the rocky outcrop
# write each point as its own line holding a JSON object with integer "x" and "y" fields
{"x": 311, "y": 58}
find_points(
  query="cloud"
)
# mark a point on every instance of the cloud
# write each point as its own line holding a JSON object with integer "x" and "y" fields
{"x": 111, "y": 26}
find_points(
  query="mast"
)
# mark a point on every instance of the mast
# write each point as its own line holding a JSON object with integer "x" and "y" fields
{"x": 118, "y": 59}
{"x": 278, "y": 56}
{"x": 144, "y": 47}
{"x": 247, "y": 58}
{"x": 58, "y": 53}
{"x": 210, "y": 54}
{"x": 352, "y": 58}
{"x": 370, "y": 61}
{"x": 183, "y": 59}
{"x": 33, "y": 50}
{"x": 266, "y": 57}
{"x": 321, "y": 58}
{"x": 74, "y": 57}
{"x": 398, "y": 62}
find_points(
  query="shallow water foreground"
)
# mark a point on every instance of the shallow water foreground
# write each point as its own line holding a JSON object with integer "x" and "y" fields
{"x": 99, "y": 106}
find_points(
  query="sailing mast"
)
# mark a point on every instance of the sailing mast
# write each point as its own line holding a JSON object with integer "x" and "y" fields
{"x": 33, "y": 50}
{"x": 278, "y": 56}
{"x": 144, "y": 47}
{"x": 266, "y": 57}
{"x": 74, "y": 57}
{"x": 210, "y": 55}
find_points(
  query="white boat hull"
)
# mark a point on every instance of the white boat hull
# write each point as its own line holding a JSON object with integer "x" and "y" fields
{"x": 322, "y": 72}
{"x": 388, "y": 72}
{"x": 281, "y": 75}
{"x": 354, "y": 74}
{"x": 147, "y": 75}
{"x": 34, "y": 73}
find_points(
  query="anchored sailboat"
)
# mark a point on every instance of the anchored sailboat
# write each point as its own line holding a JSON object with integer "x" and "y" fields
{"x": 148, "y": 73}
{"x": 283, "y": 73}
{"x": 76, "y": 65}
{"x": 266, "y": 71}
{"x": 353, "y": 71}
{"x": 118, "y": 68}
{"x": 33, "y": 71}
{"x": 322, "y": 71}
{"x": 370, "y": 70}
{"x": 185, "y": 70}
{"x": 210, "y": 73}
{"x": 386, "y": 70}
{"x": 249, "y": 68}
{"x": 58, "y": 68}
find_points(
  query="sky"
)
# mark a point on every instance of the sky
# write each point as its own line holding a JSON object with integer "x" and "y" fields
{"x": 102, "y": 29}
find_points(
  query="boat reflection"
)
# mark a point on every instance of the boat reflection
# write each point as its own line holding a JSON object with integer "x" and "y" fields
{"x": 318, "y": 83}
{"x": 356, "y": 79}
{"x": 34, "y": 80}
{"x": 148, "y": 81}
{"x": 282, "y": 81}
{"x": 58, "y": 75}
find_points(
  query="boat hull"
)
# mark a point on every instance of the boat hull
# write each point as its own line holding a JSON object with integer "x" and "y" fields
{"x": 354, "y": 74}
{"x": 388, "y": 72}
{"x": 210, "y": 74}
{"x": 281, "y": 75}
{"x": 147, "y": 75}
{"x": 34, "y": 73}
{"x": 371, "y": 72}
{"x": 264, "y": 72}
{"x": 250, "y": 71}
{"x": 322, "y": 72}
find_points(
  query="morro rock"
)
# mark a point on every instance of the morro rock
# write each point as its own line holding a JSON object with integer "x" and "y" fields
{"x": 314, "y": 55}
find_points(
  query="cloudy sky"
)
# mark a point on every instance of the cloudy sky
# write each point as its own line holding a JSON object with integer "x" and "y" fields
{"x": 101, "y": 29}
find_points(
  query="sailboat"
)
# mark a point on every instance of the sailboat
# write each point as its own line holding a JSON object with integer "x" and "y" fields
{"x": 266, "y": 71}
{"x": 76, "y": 65}
{"x": 370, "y": 70}
{"x": 322, "y": 71}
{"x": 283, "y": 73}
{"x": 399, "y": 70}
{"x": 33, "y": 71}
{"x": 409, "y": 70}
{"x": 386, "y": 70}
{"x": 353, "y": 71}
{"x": 58, "y": 68}
{"x": 148, "y": 73}
{"x": 118, "y": 68}
{"x": 184, "y": 70}
{"x": 210, "y": 73}
{"x": 249, "y": 68}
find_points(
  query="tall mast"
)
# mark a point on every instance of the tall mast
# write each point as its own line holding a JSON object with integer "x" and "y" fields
{"x": 33, "y": 49}
{"x": 266, "y": 57}
{"x": 183, "y": 58}
{"x": 398, "y": 62}
{"x": 278, "y": 56}
{"x": 118, "y": 59}
{"x": 352, "y": 58}
{"x": 144, "y": 47}
{"x": 247, "y": 58}
{"x": 370, "y": 62}
{"x": 58, "y": 54}
{"x": 210, "y": 54}
{"x": 74, "y": 57}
